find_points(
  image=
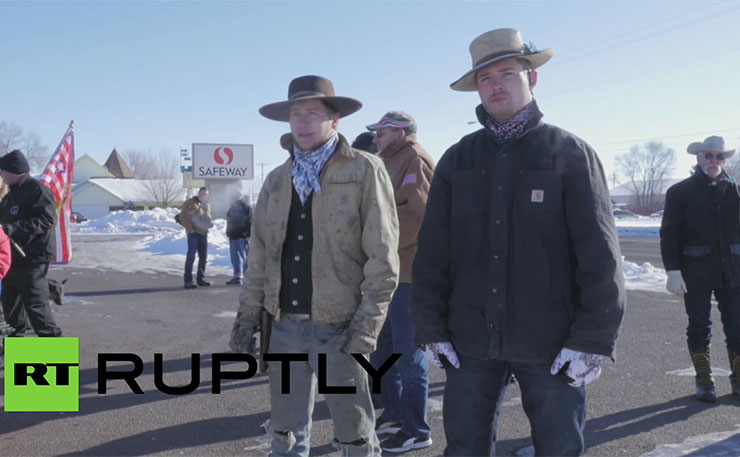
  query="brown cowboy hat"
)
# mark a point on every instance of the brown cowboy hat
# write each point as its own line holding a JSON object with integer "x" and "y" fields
{"x": 710, "y": 144}
{"x": 308, "y": 88}
{"x": 497, "y": 45}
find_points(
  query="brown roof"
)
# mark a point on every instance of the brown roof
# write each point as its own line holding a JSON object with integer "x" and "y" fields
{"x": 117, "y": 166}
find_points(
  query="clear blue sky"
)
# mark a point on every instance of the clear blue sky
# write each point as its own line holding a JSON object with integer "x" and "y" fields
{"x": 162, "y": 75}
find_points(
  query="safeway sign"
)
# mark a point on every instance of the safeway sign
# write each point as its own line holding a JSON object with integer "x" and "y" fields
{"x": 223, "y": 161}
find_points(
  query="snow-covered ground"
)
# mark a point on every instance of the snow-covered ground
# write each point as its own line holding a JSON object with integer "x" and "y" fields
{"x": 163, "y": 245}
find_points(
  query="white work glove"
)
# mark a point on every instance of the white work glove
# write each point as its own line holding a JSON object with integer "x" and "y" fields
{"x": 675, "y": 284}
{"x": 442, "y": 355}
{"x": 581, "y": 367}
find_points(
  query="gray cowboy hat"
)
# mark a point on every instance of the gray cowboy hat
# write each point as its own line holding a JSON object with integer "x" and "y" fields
{"x": 710, "y": 144}
{"x": 497, "y": 45}
{"x": 308, "y": 88}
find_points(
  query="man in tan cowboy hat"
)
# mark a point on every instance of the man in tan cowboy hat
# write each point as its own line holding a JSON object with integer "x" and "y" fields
{"x": 700, "y": 246}
{"x": 406, "y": 386}
{"x": 323, "y": 262}
{"x": 518, "y": 269}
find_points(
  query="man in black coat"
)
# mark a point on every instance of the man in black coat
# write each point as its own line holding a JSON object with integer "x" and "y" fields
{"x": 238, "y": 228}
{"x": 700, "y": 246}
{"x": 518, "y": 269}
{"x": 28, "y": 215}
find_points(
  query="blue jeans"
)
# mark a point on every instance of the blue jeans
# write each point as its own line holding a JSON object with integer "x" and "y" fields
{"x": 406, "y": 385}
{"x": 472, "y": 403}
{"x": 238, "y": 249}
{"x": 698, "y": 307}
{"x": 196, "y": 243}
{"x": 352, "y": 415}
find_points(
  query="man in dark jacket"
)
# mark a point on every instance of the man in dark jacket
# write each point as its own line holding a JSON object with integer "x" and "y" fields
{"x": 700, "y": 246}
{"x": 27, "y": 214}
{"x": 519, "y": 269}
{"x": 238, "y": 226}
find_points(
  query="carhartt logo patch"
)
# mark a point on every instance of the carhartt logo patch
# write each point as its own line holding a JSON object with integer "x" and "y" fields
{"x": 42, "y": 374}
{"x": 409, "y": 179}
{"x": 538, "y": 196}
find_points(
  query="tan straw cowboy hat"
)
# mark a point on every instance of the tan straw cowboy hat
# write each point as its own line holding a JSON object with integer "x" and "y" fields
{"x": 497, "y": 45}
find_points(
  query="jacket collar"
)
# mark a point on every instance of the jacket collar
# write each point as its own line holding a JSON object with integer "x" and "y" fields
{"x": 396, "y": 146}
{"x": 534, "y": 121}
{"x": 22, "y": 180}
{"x": 700, "y": 176}
{"x": 343, "y": 147}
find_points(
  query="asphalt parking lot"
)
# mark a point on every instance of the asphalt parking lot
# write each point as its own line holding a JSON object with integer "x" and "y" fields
{"x": 642, "y": 402}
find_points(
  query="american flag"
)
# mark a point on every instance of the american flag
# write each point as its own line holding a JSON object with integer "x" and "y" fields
{"x": 58, "y": 176}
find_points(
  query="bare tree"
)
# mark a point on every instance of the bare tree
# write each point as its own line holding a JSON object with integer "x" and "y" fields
{"x": 142, "y": 163}
{"x": 164, "y": 184}
{"x": 13, "y": 137}
{"x": 732, "y": 167}
{"x": 646, "y": 167}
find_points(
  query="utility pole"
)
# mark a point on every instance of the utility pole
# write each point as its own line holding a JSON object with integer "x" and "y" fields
{"x": 262, "y": 169}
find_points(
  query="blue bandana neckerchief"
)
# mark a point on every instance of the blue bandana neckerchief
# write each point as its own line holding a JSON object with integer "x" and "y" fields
{"x": 514, "y": 127}
{"x": 308, "y": 164}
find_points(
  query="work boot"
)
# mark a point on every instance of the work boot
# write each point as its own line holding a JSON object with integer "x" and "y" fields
{"x": 704, "y": 379}
{"x": 735, "y": 376}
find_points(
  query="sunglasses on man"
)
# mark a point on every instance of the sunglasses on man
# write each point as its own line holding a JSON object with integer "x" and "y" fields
{"x": 718, "y": 157}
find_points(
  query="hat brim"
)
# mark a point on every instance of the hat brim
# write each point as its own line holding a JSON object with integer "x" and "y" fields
{"x": 696, "y": 148}
{"x": 280, "y": 111}
{"x": 467, "y": 82}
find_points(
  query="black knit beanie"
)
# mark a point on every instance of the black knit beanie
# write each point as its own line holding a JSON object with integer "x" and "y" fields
{"x": 14, "y": 162}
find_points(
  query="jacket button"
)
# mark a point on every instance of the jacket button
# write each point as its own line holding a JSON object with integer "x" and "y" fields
{"x": 295, "y": 280}
{"x": 297, "y": 258}
{"x": 303, "y": 215}
{"x": 495, "y": 257}
{"x": 294, "y": 302}
{"x": 300, "y": 237}
{"x": 498, "y": 221}
{"x": 500, "y": 305}
{"x": 494, "y": 290}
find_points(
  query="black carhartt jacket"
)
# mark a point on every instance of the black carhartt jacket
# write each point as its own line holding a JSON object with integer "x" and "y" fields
{"x": 700, "y": 232}
{"x": 28, "y": 214}
{"x": 518, "y": 252}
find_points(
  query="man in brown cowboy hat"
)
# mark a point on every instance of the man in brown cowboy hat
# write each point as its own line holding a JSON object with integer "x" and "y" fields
{"x": 518, "y": 269}
{"x": 323, "y": 262}
{"x": 700, "y": 246}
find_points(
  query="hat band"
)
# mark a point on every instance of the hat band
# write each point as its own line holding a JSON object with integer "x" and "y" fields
{"x": 306, "y": 93}
{"x": 498, "y": 56}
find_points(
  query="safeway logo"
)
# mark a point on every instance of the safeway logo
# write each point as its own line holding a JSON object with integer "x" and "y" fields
{"x": 223, "y": 156}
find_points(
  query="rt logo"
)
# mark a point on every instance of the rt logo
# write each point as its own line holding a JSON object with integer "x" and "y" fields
{"x": 42, "y": 374}
{"x": 223, "y": 156}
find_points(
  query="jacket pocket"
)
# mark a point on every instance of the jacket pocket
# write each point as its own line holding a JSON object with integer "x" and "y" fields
{"x": 700, "y": 251}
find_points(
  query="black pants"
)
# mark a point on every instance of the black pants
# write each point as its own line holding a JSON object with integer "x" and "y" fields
{"x": 25, "y": 298}
{"x": 699, "y": 306}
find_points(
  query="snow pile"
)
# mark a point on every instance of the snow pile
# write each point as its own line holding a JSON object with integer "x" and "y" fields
{"x": 644, "y": 277}
{"x": 641, "y": 227}
{"x": 164, "y": 236}
{"x": 132, "y": 222}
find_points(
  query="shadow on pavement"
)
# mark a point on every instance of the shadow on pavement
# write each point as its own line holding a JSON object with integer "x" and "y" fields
{"x": 643, "y": 419}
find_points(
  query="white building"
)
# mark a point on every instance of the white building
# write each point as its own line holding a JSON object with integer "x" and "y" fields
{"x": 100, "y": 189}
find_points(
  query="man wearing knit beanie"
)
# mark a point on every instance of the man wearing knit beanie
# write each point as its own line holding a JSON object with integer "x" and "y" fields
{"x": 28, "y": 215}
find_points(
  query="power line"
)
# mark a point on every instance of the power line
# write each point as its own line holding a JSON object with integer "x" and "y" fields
{"x": 664, "y": 137}
{"x": 648, "y": 35}
{"x": 643, "y": 27}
